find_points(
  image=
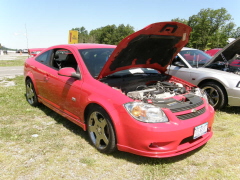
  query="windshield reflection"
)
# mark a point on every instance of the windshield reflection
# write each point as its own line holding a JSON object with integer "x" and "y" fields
{"x": 95, "y": 59}
{"x": 195, "y": 58}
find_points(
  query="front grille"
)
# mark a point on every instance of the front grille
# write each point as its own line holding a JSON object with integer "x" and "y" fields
{"x": 192, "y": 114}
{"x": 190, "y": 106}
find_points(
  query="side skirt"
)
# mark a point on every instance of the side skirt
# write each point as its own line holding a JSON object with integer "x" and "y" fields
{"x": 62, "y": 113}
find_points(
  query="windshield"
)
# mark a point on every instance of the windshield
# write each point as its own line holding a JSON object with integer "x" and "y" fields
{"x": 195, "y": 58}
{"x": 95, "y": 59}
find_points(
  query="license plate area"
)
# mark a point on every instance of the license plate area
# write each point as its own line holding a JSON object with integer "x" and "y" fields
{"x": 200, "y": 130}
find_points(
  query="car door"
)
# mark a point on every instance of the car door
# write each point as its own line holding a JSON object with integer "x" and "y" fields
{"x": 181, "y": 69}
{"x": 71, "y": 97}
{"x": 47, "y": 79}
{"x": 64, "y": 92}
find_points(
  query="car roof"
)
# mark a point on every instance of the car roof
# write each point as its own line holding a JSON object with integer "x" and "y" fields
{"x": 90, "y": 45}
{"x": 187, "y": 48}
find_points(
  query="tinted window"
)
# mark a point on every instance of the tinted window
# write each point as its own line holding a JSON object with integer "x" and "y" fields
{"x": 43, "y": 58}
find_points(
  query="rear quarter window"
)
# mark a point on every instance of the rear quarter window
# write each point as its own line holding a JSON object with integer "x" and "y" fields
{"x": 43, "y": 58}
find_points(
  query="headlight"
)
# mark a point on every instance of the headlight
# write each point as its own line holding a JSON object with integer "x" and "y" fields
{"x": 146, "y": 112}
{"x": 201, "y": 93}
{"x": 204, "y": 95}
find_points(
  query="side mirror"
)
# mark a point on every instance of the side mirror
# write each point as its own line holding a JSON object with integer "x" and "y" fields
{"x": 179, "y": 64}
{"x": 68, "y": 72}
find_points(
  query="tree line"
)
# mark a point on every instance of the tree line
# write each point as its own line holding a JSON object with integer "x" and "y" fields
{"x": 210, "y": 29}
{"x": 110, "y": 34}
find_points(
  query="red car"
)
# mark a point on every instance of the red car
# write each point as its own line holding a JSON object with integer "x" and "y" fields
{"x": 121, "y": 95}
{"x": 34, "y": 52}
{"x": 212, "y": 52}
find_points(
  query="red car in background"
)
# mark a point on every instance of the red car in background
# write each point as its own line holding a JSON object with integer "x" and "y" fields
{"x": 35, "y": 51}
{"x": 234, "y": 62}
{"x": 121, "y": 95}
{"x": 212, "y": 52}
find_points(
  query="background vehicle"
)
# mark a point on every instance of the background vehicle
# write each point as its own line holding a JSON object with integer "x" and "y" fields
{"x": 18, "y": 50}
{"x": 35, "y": 51}
{"x": 212, "y": 52}
{"x": 218, "y": 75}
{"x": 25, "y": 51}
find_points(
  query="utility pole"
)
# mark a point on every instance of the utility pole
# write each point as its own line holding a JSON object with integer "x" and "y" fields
{"x": 0, "y": 49}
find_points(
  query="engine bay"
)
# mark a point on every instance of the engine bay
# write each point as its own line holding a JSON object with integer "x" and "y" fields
{"x": 160, "y": 90}
{"x": 232, "y": 65}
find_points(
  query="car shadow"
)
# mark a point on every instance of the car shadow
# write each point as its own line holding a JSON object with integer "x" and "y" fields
{"x": 231, "y": 109}
{"x": 136, "y": 159}
{"x": 65, "y": 122}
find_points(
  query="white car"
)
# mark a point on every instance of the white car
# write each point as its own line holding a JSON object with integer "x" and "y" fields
{"x": 25, "y": 50}
{"x": 219, "y": 76}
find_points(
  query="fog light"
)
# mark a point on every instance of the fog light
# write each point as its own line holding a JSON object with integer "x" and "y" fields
{"x": 161, "y": 145}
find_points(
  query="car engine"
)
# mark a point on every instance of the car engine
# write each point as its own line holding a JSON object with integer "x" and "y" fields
{"x": 159, "y": 90}
{"x": 232, "y": 65}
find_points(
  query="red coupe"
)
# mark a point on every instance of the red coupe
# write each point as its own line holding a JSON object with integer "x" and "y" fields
{"x": 121, "y": 95}
{"x": 34, "y": 52}
{"x": 214, "y": 51}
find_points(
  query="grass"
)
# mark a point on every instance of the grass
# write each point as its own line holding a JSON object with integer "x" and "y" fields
{"x": 37, "y": 143}
{"x": 19, "y": 61}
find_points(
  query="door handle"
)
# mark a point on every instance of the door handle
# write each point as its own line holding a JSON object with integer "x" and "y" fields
{"x": 46, "y": 77}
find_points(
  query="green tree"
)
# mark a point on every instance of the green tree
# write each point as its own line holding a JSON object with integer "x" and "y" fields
{"x": 210, "y": 28}
{"x": 236, "y": 33}
{"x": 122, "y": 32}
{"x": 93, "y": 35}
{"x": 82, "y": 34}
{"x": 184, "y": 21}
{"x": 106, "y": 34}
{"x": 111, "y": 34}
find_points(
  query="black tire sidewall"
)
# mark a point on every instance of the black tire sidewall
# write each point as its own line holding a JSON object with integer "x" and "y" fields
{"x": 222, "y": 95}
{"x": 35, "y": 103}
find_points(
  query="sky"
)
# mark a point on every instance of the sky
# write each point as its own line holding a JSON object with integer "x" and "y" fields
{"x": 26, "y": 24}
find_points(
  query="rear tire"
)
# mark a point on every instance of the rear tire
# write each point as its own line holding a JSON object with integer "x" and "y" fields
{"x": 100, "y": 130}
{"x": 31, "y": 95}
{"x": 216, "y": 94}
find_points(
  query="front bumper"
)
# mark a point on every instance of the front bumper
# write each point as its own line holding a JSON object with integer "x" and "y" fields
{"x": 161, "y": 140}
{"x": 234, "y": 97}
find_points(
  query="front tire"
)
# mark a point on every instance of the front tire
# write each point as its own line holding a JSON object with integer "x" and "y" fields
{"x": 100, "y": 130}
{"x": 31, "y": 95}
{"x": 216, "y": 94}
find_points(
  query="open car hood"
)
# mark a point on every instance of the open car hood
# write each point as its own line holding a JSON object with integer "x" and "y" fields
{"x": 151, "y": 47}
{"x": 227, "y": 53}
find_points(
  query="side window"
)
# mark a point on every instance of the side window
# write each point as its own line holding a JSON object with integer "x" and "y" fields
{"x": 43, "y": 58}
{"x": 177, "y": 61}
{"x": 64, "y": 58}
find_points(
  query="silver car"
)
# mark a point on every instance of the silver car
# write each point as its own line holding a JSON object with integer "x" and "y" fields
{"x": 219, "y": 76}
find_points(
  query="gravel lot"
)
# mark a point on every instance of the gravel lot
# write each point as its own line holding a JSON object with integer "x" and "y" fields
{"x": 12, "y": 71}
